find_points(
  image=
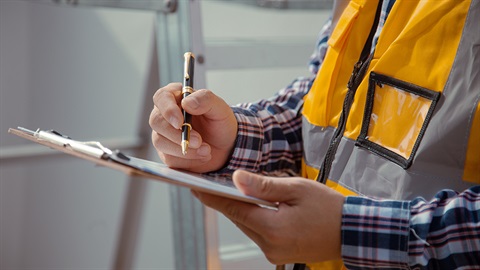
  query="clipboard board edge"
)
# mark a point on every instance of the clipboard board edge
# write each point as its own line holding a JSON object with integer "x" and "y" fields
{"x": 137, "y": 172}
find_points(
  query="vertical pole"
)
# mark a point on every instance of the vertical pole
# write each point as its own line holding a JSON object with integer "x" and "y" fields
{"x": 178, "y": 29}
{"x": 136, "y": 192}
{"x": 178, "y": 33}
{"x": 131, "y": 223}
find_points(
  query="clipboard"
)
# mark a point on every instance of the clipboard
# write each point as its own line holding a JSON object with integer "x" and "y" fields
{"x": 95, "y": 152}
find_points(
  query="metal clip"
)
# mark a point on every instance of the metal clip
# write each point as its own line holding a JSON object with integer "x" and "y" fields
{"x": 91, "y": 148}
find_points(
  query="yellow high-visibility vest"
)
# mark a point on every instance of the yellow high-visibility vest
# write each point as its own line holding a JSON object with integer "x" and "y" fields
{"x": 410, "y": 123}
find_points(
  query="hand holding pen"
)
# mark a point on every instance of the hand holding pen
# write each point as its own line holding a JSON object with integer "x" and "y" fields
{"x": 187, "y": 89}
{"x": 192, "y": 130}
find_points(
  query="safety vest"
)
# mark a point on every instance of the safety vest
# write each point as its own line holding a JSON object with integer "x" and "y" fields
{"x": 406, "y": 121}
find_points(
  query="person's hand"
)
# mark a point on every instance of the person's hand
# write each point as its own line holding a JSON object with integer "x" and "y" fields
{"x": 306, "y": 227}
{"x": 214, "y": 129}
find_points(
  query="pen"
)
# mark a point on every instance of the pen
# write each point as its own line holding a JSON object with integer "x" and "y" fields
{"x": 187, "y": 90}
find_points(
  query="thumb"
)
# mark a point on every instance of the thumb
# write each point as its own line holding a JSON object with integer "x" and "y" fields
{"x": 263, "y": 187}
{"x": 205, "y": 102}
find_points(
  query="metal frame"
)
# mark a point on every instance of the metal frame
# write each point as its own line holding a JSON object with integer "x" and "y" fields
{"x": 178, "y": 29}
{"x": 166, "y": 6}
{"x": 177, "y": 33}
{"x": 289, "y": 4}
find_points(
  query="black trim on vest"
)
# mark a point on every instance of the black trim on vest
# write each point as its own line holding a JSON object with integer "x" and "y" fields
{"x": 356, "y": 78}
{"x": 358, "y": 73}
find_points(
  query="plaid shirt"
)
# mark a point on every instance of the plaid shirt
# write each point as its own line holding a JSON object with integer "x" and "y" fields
{"x": 269, "y": 138}
{"x": 441, "y": 234}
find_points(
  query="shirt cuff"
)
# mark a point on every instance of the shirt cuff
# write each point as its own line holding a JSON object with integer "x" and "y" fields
{"x": 375, "y": 233}
{"x": 247, "y": 152}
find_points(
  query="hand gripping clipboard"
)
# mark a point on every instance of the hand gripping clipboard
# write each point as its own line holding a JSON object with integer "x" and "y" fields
{"x": 95, "y": 152}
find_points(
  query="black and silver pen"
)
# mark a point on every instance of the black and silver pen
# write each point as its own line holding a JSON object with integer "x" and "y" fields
{"x": 187, "y": 89}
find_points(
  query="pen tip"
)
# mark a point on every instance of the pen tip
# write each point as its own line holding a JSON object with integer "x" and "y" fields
{"x": 184, "y": 147}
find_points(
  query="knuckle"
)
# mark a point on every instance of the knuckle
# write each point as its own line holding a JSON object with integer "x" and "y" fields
{"x": 152, "y": 120}
{"x": 156, "y": 120}
{"x": 169, "y": 89}
{"x": 155, "y": 96}
{"x": 158, "y": 95}
{"x": 155, "y": 140}
{"x": 205, "y": 94}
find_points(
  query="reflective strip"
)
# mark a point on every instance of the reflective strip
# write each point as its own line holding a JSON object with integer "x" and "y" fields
{"x": 472, "y": 162}
{"x": 363, "y": 172}
{"x": 452, "y": 119}
{"x": 440, "y": 158}
{"x": 315, "y": 143}
{"x": 469, "y": 72}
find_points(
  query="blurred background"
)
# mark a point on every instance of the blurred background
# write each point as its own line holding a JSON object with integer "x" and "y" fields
{"x": 88, "y": 69}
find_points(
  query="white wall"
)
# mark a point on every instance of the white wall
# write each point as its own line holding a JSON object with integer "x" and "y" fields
{"x": 83, "y": 71}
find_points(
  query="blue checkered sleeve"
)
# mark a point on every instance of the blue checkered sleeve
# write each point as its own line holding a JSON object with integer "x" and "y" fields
{"x": 269, "y": 138}
{"x": 443, "y": 233}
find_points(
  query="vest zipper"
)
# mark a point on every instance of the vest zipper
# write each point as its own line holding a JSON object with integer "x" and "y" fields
{"x": 353, "y": 83}
{"x": 358, "y": 73}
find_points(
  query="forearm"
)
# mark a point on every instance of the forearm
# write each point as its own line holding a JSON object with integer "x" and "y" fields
{"x": 402, "y": 234}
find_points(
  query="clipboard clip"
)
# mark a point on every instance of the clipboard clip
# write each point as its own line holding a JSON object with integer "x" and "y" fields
{"x": 91, "y": 148}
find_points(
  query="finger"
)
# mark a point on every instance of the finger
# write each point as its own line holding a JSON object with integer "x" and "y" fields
{"x": 173, "y": 152}
{"x": 258, "y": 232}
{"x": 159, "y": 124}
{"x": 165, "y": 129}
{"x": 266, "y": 188}
{"x": 205, "y": 102}
{"x": 275, "y": 254}
{"x": 167, "y": 100}
{"x": 241, "y": 213}
{"x": 192, "y": 165}
{"x": 232, "y": 209}
{"x": 253, "y": 235}
{"x": 213, "y": 201}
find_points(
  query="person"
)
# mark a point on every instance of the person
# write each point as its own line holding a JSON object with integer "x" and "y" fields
{"x": 402, "y": 126}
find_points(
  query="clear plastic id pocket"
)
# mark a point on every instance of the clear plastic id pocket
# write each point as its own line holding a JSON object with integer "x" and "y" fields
{"x": 396, "y": 116}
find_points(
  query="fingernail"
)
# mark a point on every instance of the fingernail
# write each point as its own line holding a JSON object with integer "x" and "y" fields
{"x": 246, "y": 179}
{"x": 175, "y": 122}
{"x": 191, "y": 102}
{"x": 194, "y": 141}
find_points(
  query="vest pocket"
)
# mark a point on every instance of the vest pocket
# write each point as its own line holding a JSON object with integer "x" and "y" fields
{"x": 395, "y": 118}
